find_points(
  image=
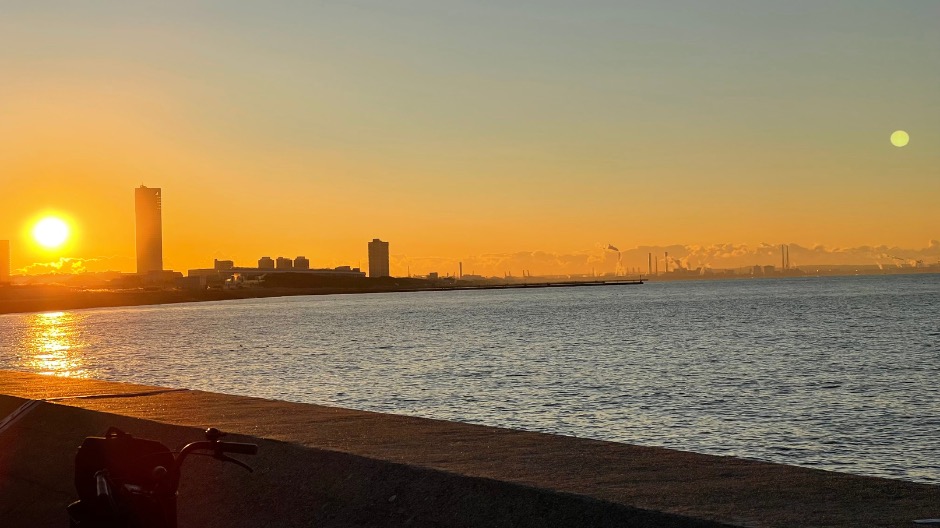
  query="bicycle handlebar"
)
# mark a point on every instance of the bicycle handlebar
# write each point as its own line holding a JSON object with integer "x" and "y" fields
{"x": 217, "y": 447}
{"x": 239, "y": 448}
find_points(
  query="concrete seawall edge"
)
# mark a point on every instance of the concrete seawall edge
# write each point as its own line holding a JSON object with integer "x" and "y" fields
{"x": 323, "y": 466}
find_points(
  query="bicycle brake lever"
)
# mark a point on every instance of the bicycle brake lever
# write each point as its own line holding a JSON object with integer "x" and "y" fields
{"x": 226, "y": 458}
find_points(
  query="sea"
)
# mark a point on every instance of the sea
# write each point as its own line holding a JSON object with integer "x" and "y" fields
{"x": 834, "y": 373}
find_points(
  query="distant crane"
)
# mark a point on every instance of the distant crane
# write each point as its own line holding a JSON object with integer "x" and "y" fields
{"x": 898, "y": 259}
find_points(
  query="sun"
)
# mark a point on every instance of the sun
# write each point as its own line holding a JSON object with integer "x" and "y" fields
{"x": 51, "y": 232}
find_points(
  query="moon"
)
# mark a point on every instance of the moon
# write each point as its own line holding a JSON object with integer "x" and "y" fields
{"x": 51, "y": 232}
{"x": 900, "y": 138}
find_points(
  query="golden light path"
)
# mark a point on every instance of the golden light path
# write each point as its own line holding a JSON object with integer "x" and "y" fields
{"x": 51, "y": 232}
{"x": 54, "y": 347}
{"x": 900, "y": 138}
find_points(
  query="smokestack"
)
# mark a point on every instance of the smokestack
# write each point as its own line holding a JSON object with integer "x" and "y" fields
{"x": 666, "y": 262}
{"x": 788, "y": 256}
{"x": 461, "y": 271}
{"x": 649, "y": 264}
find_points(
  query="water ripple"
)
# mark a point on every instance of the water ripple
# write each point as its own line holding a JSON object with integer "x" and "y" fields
{"x": 834, "y": 373}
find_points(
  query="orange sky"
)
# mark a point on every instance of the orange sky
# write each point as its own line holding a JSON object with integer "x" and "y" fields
{"x": 488, "y": 131}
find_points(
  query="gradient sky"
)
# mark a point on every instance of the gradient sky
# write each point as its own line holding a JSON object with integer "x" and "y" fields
{"x": 461, "y": 128}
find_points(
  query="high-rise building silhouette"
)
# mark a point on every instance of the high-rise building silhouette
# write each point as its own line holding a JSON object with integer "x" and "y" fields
{"x": 148, "y": 205}
{"x": 378, "y": 258}
{"x": 4, "y": 261}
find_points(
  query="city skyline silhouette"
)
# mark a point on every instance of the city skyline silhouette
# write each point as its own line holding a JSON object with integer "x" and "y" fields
{"x": 522, "y": 136}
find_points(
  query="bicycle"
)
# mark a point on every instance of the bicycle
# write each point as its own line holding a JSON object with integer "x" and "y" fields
{"x": 128, "y": 482}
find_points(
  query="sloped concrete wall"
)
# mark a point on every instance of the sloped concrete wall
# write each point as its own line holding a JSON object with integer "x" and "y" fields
{"x": 292, "y": 485}
{"x": 325, "y": 466}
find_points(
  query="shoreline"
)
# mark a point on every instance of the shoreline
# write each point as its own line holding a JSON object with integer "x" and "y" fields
{"x": 48, "y": 298}
{"x": 34, "y": 299}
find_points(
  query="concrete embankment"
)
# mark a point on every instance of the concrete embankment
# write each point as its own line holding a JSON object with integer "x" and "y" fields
{"x": 323, "y": 466}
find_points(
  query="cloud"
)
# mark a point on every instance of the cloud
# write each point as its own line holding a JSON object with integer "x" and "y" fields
{"x": 74, "y": 265}
{"x": 600, "y": 259}
{"x": 500, "y": 264}
{"x": 63, "y": 266}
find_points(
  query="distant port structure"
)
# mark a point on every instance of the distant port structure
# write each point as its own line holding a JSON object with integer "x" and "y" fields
{"x": 148, "y": 206}
{"x": 152, "y": 283}
{"x": 300, "y": 264}
{"x": 232, "y": 275}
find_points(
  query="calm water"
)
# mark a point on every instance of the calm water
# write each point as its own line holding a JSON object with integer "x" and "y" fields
{"x": 834, "y": 373}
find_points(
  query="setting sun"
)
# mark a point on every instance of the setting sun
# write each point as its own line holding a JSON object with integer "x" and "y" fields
{"x": 51, "y": 232}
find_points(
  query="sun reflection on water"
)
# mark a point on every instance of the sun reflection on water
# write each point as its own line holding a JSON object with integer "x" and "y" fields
{"x": 54, "y": 345}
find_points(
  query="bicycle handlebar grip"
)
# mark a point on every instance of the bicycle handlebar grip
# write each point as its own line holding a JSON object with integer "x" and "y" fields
{"x": 102, "y": 488}
{"x": 239, "y": 447}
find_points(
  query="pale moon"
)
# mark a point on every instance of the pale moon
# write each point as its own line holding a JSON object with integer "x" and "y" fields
{"x": 899, "y": 138}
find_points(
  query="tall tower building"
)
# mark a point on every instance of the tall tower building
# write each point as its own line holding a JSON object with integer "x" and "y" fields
{"x": 378, "y": 258}
{"x": 149, "y": 229}
{"x": 4, "y": 261}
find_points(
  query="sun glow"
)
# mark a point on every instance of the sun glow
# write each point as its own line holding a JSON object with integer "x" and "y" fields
{"x": 51, "y": 232}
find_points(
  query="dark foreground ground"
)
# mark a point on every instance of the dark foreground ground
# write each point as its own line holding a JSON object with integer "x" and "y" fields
{"x": 331, "y": 467}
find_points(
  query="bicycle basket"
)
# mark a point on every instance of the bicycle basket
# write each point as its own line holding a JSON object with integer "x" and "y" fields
{"x": 128, "y": 461}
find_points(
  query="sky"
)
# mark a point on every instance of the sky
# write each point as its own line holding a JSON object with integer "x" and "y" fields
{"x": 472, "y": 131}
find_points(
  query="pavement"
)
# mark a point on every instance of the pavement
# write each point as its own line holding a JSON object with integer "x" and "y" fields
{"x": 326, "y": 466}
